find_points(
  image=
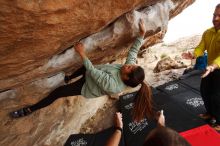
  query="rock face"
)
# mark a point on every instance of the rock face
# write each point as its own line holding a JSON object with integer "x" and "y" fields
{"x": 167, "y": 63}
{"x": 50, "y": 126}
{"x": 35, "y": 35}
{"x": 32, "y": 32}
{"x": 35, "y": 47}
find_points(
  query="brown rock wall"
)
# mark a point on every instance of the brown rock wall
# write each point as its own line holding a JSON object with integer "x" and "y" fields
{"x": 33, "y": 31}
{"x": 33, "y": 34}
{"x": 35, "y": 40}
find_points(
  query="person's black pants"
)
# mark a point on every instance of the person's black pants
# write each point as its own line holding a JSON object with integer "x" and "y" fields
{"x": 210, "y": 92}
{"x": 63, "y": 91}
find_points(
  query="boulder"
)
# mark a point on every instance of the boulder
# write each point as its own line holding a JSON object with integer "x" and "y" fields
{"x": 36, "y": 36}
{"x": 36, "y": 52}
{"x": 167, "y": 63}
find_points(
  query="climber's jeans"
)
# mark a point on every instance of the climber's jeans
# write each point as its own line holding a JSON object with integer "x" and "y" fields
{"x": 63, "y": 91}
{"x": 78, "y": 72}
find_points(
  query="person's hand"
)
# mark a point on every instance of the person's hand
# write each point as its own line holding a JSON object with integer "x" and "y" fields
{"x": 142, "y": 28}
{"x": 188, "y": 55}
{"x": 118, "y": 120}
{"x": 161, "y": 119}
{"x": 209, "y": 69}
{"x": 79, "y": 48}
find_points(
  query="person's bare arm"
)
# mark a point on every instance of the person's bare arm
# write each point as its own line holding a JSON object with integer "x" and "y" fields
{"x": 116, "y": 136}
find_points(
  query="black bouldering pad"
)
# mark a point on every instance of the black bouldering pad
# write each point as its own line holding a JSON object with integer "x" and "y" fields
{"x": 190, "y": 101}
{"x": 134, "y": 132}
{"x": 184, "y": 94}
{"x": 98, "y": 139}
{"x": 172, "y": 88}
{"x": 177, "y": 117}
{"x": 80, "y": 139}
{"x": 192, "y": 82}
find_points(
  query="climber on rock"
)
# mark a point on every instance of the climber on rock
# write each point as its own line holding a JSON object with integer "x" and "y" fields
{"x": 104, "y": 80}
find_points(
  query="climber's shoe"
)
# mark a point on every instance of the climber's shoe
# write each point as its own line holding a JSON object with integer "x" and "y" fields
{"x": 21, "y": 112}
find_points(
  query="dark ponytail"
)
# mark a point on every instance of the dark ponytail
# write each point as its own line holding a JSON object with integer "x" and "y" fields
{"x": 143, "y": 104}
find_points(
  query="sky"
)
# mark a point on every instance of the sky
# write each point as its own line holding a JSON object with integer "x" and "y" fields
{"x": 195, "y": 19}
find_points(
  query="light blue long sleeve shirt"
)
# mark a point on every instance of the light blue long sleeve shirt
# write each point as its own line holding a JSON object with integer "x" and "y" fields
{"x": 106, "y": 79}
